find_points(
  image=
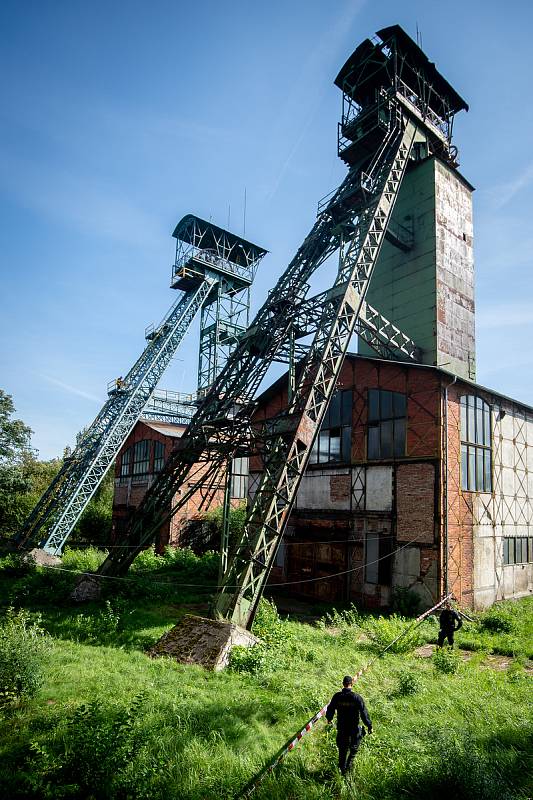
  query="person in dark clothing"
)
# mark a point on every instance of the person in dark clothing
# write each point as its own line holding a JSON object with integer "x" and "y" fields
{"x": 348, "y": 706}
{"x": 449, "y": 621}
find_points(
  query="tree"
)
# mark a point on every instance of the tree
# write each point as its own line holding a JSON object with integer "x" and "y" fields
{"x": 14, "y": 447}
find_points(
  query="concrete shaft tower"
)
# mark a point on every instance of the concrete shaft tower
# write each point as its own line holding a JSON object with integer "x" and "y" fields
{"x": 425, "y": 281}
{"x": 424, "y": 276}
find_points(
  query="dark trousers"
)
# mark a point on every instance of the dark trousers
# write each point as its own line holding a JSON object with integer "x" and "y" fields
{"x": 348, "y": 744}
{"x": 447, "y": 634}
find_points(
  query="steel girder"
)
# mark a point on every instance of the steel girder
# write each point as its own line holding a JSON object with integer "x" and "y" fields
{"x": 221, "y": 427}
{"x": 379, "y": 332}
{"x": 226, "y": 409}
{"x": 54, "y": 516}
{"x": 287, "y": 457}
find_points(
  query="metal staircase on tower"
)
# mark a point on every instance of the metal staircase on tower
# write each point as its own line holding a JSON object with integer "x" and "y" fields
{"x": 213, "y": 271}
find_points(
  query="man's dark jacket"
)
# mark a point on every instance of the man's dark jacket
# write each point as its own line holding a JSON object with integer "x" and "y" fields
{"x": 450, "y": 620}
{"x": 348, "y": 706}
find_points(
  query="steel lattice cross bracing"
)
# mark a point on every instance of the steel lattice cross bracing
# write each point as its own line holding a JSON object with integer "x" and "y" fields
{"x": 213, "y": 268}
{"x": 401, "y": 109}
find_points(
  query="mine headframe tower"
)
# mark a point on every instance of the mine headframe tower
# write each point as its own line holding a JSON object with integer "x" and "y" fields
{"x": 213, "y": 270}
{"x": 396, "y": 108}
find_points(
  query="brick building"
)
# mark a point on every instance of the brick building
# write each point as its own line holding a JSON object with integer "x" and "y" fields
{"x": 141, "y": 458}
{"x": 417, "y": 479}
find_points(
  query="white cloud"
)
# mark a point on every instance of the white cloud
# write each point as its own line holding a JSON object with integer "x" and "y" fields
{"x": 504, "y": 315}
{"x": 501, "y": 195}
{"x": 72, "y": 389}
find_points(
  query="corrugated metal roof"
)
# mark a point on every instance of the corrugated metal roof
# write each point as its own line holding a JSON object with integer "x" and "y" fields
{"x": 166, "y": 428}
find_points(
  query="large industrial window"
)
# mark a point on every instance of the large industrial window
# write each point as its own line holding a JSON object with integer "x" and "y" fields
{"x": 386, "y": 424}
{"x": 239, "y": 478}
{"x": 334, "y": 441}
{"x": 517, "y": 550}
{"x": 125, "y": 463}
{"x": 475, "y": 444}
{"x": 141, "y": 461}
{"x": 159, "y": 456}
{"x": 378, "y": 558}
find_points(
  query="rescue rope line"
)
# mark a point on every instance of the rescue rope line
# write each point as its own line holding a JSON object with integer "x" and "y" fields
{"x": 295, "y": 740}
{"x": 214, "y": 587}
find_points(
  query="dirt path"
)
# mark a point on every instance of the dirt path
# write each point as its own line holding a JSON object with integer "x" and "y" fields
{"x": 493, "y": 661}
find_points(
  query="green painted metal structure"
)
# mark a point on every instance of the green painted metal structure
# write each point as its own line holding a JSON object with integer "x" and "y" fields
{"x": 212, "y": 271}
{"x": 396, "y": 109}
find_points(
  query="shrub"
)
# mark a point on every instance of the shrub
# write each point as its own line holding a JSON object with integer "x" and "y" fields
{"x": 16, "y": 565}
{"x": 86, "y": 559}
{"x": 446, "y": 660}
{"x": 270, "y": 654}
{"x": 498, "y": 619}
{"x": 92, "y": 755}
{"x": 383, "y": 632}
{"x": 405, "y": 601}
{"x": 408, "y": 683}
{"x": 101, "y": 627}
{"x": 349, "y": 618}
{"x": 44, "y": 586}
{"x": 268, "y": 626}
{"x": 23, "y": 645}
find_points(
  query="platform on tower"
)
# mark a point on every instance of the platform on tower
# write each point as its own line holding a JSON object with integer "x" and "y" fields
{"x": 204, "y": 248}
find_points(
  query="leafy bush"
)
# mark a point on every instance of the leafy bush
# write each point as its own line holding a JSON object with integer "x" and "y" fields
{"x": 408, "y": 683}
{"x": 101, "y": 627}
{"x": 23, "y": 645}
{"x": 497, "y": 619}
{"x": 86, "y": 559}
{"x": 94, "y": 754}
{"x": 446, "y": 660}
{"x": 182, "y": 559}
{"x": 349, "y": 618}
{"x": 405, "y": 602}
{"x": 383, "y": 632}
{"x": 272, "y": 651}
{"x": 43, "y": 587}
{"x": 16, "y": 565}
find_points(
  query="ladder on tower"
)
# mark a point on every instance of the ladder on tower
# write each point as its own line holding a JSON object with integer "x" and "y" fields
{"x": 354, "y": 222}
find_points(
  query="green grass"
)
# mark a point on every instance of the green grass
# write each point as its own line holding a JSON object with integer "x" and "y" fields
{"x": 198, "y": 735}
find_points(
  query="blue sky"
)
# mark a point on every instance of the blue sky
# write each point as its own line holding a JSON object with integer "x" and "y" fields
{"x": 117, "y": 118}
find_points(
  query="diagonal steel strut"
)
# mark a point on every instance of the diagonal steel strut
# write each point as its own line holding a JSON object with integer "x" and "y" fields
{"x": 55, "y": 515}
{"x": 287, "y": 458}
{"x": 225, "y": 414}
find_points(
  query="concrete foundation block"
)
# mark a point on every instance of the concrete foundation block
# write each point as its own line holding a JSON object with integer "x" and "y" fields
{"x": 201, "y": 641}
{"x": 42, "y": 558}
{"x": 87, "y": 589}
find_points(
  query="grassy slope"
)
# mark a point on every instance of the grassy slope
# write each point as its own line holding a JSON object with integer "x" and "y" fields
{"x": 206, "y": 734}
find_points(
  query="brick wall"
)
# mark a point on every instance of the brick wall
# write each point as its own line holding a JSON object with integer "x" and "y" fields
{"x": 415, "y": 503}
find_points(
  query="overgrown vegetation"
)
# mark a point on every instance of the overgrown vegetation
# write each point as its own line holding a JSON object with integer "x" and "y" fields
{"x": 108, "y": 723}
{"x": 23, "y": 647}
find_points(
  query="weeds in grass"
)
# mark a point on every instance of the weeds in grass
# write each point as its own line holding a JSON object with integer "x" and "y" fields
{"x": 446, "y": 660}
{"x": 93, "y": 754}
{"x": 497, "y": 619}
{"x": 384, "y": 631}
{"x": 405, "y": 601}
{"x": 408, "y": 683}
{"x": 23, "y": 647}
{"x": 349, "y": 618}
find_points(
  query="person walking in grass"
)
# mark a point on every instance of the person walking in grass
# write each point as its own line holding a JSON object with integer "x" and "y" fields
{"x": 449, "y": 621}
{"x": 349, "y": 707}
